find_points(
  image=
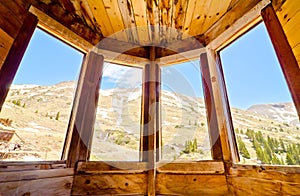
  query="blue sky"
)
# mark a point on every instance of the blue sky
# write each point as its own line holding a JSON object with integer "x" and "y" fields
{"x": 252, "y": 72}
{"x": 48, "y": 61}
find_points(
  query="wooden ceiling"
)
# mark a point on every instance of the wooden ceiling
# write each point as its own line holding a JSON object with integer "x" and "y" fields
{"x": 176, "y": 26}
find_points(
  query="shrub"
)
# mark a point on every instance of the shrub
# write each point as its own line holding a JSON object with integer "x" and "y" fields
{"x": 57, "y": 116}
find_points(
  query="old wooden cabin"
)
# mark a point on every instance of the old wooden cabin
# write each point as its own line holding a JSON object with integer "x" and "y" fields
{"x": 149, "y": 34}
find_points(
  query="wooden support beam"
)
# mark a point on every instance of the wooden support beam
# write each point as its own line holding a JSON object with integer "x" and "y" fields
{"x": 227, "y": 137}
{"x": 152, "y": 124}
{"x": 15, "y": 55}
{"x": 144, "y": 115}
{"x": 81, "y": 127}
{"x": 158, "y": 112}
{"x": 285, "y": 55}
{"x": 212, "y": 122}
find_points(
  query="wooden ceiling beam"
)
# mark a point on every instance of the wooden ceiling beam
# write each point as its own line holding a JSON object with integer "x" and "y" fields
{"x": 66, "y": 16}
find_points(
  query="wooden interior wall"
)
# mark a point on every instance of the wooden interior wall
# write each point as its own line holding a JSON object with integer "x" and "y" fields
{"x": 289, "y": 16}
{"x": 130, "y": 178}
{"x": 263, "y": 180}
{"x": 5, "y": 44}
{"x": 12, "y": 15}
{"x": 35, "y": 179}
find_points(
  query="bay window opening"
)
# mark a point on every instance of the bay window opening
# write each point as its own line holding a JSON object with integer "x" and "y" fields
{"x": 117, "y": 126}
{"x": 185, "y": 134}
{"x": 36, "y": 112}
{"x": 265, "y": 120}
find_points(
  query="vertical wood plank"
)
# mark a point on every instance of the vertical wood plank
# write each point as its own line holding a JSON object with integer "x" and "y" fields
{"x": 152, "y": 124}
{"x": 284, "y": 53}
{"x": 15, "y": 55}
{"x": 84, "y": 111}
{"x": 158, "y": 113}
{"x": 212, "y": 121}
{"x": 227, "y": 137}
{"x": 144, "y": 115}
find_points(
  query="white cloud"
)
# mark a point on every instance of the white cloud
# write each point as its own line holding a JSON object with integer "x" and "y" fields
{"x": 122, "y": 76}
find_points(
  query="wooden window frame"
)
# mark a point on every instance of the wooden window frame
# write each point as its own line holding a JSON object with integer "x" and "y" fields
{"x": 289, "y": 66}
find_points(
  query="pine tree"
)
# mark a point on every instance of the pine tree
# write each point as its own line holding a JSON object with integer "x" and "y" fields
{"x": 242, "y": 148}
{"x": 289, "y": 159}
{"x": 282, "y": 145}
{"x": 275, "y": 160}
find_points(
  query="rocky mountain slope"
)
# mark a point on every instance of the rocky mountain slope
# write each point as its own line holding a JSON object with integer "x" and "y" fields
{"x": 40, "y": 117}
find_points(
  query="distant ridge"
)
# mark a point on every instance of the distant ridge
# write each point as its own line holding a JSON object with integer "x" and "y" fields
{"x": 283, "y": 112}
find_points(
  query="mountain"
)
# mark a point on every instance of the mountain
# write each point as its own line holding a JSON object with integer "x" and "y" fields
{"x": 282, "y": 112}
{"x": 39, "y": 116}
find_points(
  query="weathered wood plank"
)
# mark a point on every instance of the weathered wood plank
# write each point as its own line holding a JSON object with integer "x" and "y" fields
{"x": 287, "y": 11}
{"x": 110, "y": 167}
{"x": 47, "y": 186}
{"x": 84, "y": 112}
{"x": 140, "y": 15}
{"x": 19, "y": 7}
{"x": 153, "y": 113}
{"x": 34, "y": 174}
{"x": 145, "y": 115}
{"x": 6, "y": 42}
{"x": 228, "y": 141}
{"x": 179, "y": 184}
{"x": 14, "y": 57}
{"x": 280, "y": 173}
{"x": 129, "y": 21}
{"x": 296, "y": 52}
{"x": 239, "y": 27}
{"x": 240, "y": 9}
{"x": 58, "y": 30}
{"x": 101, "y": 17}
{"x": 192, "y": 13}
{"x": 178, "y": 18}
{"x": 26, "y": 166}
{"x": 165, "y": 20}
{"x": 216, "y": 10}
{"x": 256, "y": 186}
{"x": 158, "y": 120}
{"x": 68, "y": 18}
{"x": 181, "y": 58}
{"x": 115, "y": 18}
{"x": 292, "y": 28}
{"x": 287, "y": 60}
{"x": 122, "y": 47}
{"x": 212, "y": 122}
{"x": 12, "y": 15}
{"x": 202, "y": 167}
{"x": 107, "y": 184}
{"x": 153, "y": 22}
{"x": 199, "y": 17}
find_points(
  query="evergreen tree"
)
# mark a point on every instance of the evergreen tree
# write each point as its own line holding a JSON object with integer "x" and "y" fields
{"x": 282, "y": 145}
{"x": 289, "y": 159}
{"x": 242, "y": 148}
{"x": 275, "y": 160}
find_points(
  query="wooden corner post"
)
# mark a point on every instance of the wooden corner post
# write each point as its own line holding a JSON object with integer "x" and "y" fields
{"x": 150, "y": 119}
{"x": 222, "y": 109}
{"x": 81, "y": 126}
{"x": 15, "y": 55}
{"x": 286, "y": 57}
{"x": 212, "y": 122}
